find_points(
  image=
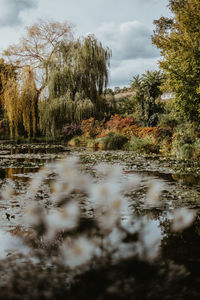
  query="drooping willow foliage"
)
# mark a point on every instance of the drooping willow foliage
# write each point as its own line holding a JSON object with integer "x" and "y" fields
{"x": 9, "y": 96}
{"x": 29, "y": 102}
{"x": 11, "y": 103}
{"x": 78, "y": 76}
{"x": 80, "y": 66}
{"x": 54, "y": 113}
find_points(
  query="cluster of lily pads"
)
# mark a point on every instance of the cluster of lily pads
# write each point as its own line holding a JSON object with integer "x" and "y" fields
{"x": 113, "y": 230}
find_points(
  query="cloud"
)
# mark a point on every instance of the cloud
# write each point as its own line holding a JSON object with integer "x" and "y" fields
{"x": 11, "y": 11}
{"x": 132, "y": 50}
{"x": 128, "y": 40}
{"x": 122, "y": 72}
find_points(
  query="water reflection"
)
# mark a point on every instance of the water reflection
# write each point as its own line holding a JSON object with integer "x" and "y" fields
{"x": 181, "y": 248}
{"x": 14, "y": 173}
{"x": 185, "y": 179}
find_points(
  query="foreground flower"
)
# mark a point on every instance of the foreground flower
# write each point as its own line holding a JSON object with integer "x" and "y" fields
{"x": 183, "y": 218}
{"x": 154, "y": 193}
{"x": 77, "y": 252}
{"x": 34, "y": 214}
{"x": 7, "y": 192}
{"x": 64, "y": 219}
{"x": 10, "y": 243}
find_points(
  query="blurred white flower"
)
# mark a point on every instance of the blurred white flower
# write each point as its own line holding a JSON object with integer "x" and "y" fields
{"x": 60, "y": 190}
{"x": 109, "y": 172}
{"x": 12, "y": 243}
{"x": 66, "y": 167}
{"x": 77, "y": 252}
{"x": 114, "y": 238}
{"x": 149, "y": 239}
{"x": 183, "y": 218}
{"x": 111, "y": 212}
{"x": 7, "y": 192}
{"x": 154, "y": 192}
{"x": 101, "y": 194}
{"x": 82, "y": 182}
{"x": 132, "y": 182}
{"x": 65, "y": 218}
{"x": 37, "y": 181}
{"x": 33, "y": 214}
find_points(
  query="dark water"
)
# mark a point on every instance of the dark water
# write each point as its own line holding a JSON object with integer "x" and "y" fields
{"x": 19, "y": 163}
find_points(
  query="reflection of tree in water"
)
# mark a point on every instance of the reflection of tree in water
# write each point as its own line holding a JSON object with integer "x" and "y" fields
{"x": 10, "y": 173}
{"x": 183, "y": 248}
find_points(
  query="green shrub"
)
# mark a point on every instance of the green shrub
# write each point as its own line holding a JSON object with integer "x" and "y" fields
{"x": 145, "y": 145}
{"x": 185, "y": 151}
{"x": 114, "y": 141}
{"x": 186, "y": 142}
{"x": 189, "y": 151}
{"x": 92, "y": 143}
{"x": 75, "y": 141}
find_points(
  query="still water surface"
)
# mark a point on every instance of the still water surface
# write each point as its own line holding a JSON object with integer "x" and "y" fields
{"x": 20, "y": 163}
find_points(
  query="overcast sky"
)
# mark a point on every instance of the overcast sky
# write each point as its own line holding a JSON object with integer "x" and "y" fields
{"x": 123, "y": 25}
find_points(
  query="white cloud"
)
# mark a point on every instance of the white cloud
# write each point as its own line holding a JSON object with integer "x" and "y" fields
{"x": 10, "y": 12}
{"x": 128, "y": 40}
{"x": 122, "y": 72}
{"x": 132, "y": 50}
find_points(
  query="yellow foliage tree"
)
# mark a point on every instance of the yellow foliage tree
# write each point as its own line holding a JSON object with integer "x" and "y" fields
{"x": 28, "y": 102}
{"x": 11, "y": 103}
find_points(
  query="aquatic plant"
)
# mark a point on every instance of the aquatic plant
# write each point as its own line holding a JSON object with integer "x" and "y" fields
{"x": 114, "y": 141}
{"x": 141, "y": 145}
{"x": 69, "y": 245}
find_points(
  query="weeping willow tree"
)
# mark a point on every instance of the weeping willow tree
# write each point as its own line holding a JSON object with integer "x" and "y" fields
{"x": 29, "y": 102}
{"x": 80, "y": 66}
{"x": 77, "y": 79}
{"x": 7, "y": 72}
{"x": 11, "y": 103}
{"x": 54, "y": 113}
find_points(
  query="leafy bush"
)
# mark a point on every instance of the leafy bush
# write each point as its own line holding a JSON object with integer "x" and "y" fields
{"x": 117, "y": 123}
{"x": 91, "y": 127}
{"x": 141, "y": 145}
{"x": 114, "y": 141}
{"x": 71, "y": 129}
{"x": 124, "y": 106}
{"x": 185, "y": 141}
{"x": 75, "y": 141}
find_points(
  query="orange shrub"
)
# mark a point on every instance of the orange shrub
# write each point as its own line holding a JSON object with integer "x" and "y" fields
{"x": 91, "y": 127}
{"x": 117, "y": 122}
{"x": 145, "y": 131}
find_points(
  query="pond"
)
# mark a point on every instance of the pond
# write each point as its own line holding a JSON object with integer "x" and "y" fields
{"x": 182, "y": 189}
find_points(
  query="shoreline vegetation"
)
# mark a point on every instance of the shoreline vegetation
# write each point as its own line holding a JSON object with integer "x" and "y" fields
{"x": 56, "y": 89}
{"x": 124, "y": 133}
{"x": 121, "y": 223}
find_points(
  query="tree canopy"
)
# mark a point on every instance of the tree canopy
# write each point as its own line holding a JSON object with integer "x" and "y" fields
{"x": 147, "y": 91}
{"x": 29, "y": 61}
{"x": 178, "y": 39}
{"x": 77, "y": 78}
{"x": 80, "y": 67}
{"x": 37, "y": 47}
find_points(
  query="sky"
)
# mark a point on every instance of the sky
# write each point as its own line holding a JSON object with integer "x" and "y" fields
{"x": 125, "y": 26}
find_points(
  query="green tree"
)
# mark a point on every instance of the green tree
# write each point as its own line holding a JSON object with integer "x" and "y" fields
{"x": 32, "y": 58}
{"x": 80, "y": 67}
{"x": 77, "y": 79}
{"x": 7, "y": 71}
{"x": 29, "y": 105}
{"x": 147, "y": 94}
{"x": 178, "y": 39}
